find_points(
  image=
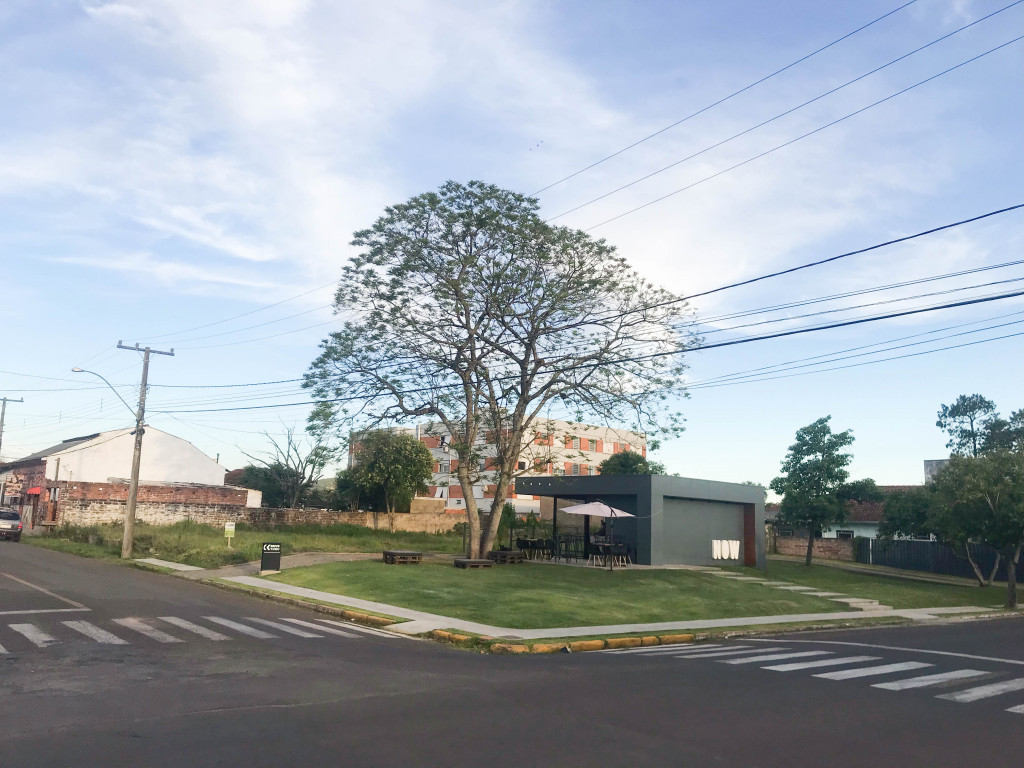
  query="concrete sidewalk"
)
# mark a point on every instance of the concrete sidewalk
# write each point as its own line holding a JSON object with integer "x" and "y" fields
{"x": 419, "y": 622}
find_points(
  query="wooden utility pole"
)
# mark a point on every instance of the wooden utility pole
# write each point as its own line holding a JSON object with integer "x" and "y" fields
{"x": 127, "y": 542}
{"x": 3, "y": 413}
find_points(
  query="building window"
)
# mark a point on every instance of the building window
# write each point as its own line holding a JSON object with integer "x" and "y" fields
{"x": 54, "y": 494}
{"x": 575, "y": 469}
{"x": 592, "y": 445}
{"x": 521, "y": 465}
{"x": 591, "y": 470}
{"x": 844, "y": 534}
{"x": 558, "y": 471}
{"x": 446, "y": 467}
{"x": 784, "y": 533}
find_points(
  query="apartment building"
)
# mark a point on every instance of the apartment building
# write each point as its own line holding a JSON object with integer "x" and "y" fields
{"x": 557, "y": 448}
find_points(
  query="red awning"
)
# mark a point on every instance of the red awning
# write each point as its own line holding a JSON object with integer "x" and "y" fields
{"x": 34, "y": 491}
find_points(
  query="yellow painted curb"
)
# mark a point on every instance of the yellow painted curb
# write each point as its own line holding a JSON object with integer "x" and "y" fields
{"x": 666, "y": 639}
{"x": 440, "y": 634}
{"x": 650, "y": 640}
{"x": 547, "y": 647}
{"x": 586, "y": 645}
{"x": 459, "y": 638}
{"x": 506, "y": 648}
{"x": 623, "y": 642}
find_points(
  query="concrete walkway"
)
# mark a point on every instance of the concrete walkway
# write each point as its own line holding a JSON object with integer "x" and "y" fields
{"x": 419, "y": 621}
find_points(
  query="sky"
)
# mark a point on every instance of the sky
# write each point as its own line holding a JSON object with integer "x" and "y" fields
{"x": 188, "y": 174}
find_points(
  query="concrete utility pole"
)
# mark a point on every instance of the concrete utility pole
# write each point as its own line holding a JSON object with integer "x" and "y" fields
{"x": 127, "y": 541}
{"x": 3, "y": 413}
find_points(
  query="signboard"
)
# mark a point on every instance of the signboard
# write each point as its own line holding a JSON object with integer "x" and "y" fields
{"x": 270, "y": 559}
{"x": 229, "y": 530}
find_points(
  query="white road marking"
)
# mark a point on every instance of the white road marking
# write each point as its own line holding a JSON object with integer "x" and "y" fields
{"x": 775, "y": 657}
{"x": 360, "y": 628}
{"x": 282, "y": 627}
{"x": 200, "y": 630}
{"x": 3, "y": 650}
{"x": 926, "y": 680}
{"x": 35, "y": 635}
{"x": 95, "y": 633}
{"x": 1018, "y": 710}
{"x": 985, "y": 691}
{"x": 897, "y": 648}
{"x": 317, "y": 627}
{"x": 821, "y": 663}
{"x": 655, "y": 649}
{"x": 717, "y": 654}
{"x": 885, "y": 669}
{"x": 144, "y": 629}
{"x": 259, "y": 634}
{"x": 74, "y": 604}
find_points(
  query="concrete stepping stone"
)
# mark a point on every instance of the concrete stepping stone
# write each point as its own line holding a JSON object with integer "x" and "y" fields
{"x": 795, "y": 588}
{"x": 825, "y": 594}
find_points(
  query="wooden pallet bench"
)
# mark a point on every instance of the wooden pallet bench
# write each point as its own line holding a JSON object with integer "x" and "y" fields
{"x": 466, "y": 562}
{"x": 503, "y": 557}
{"x": 402, "y": 557}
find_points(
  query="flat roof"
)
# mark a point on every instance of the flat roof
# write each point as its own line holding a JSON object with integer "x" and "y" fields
{"x": 632, "y": 485}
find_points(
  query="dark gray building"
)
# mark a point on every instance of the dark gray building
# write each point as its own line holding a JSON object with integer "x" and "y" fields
{"x": 678, "y": 520}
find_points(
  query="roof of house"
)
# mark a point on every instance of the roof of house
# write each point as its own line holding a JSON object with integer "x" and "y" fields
{"x": 71, "y": 442}
{"x": 873, "y": 511}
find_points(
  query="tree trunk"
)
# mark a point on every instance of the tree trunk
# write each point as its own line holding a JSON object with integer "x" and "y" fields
{"x": 490, "y": 531}
{"x": 1011, "y": 578}
{"x": 810, "y": 546}
{"x": 982, "y": 581}
{"x": 389, "y": 505}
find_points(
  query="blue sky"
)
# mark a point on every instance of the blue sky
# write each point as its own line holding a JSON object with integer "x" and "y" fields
{"x": 167, "y": 165}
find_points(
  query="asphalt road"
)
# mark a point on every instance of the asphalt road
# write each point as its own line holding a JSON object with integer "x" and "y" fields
{"x": 111, "y": 666}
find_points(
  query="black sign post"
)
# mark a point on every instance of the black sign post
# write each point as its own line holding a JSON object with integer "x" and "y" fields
{"x": 270, "y": 560}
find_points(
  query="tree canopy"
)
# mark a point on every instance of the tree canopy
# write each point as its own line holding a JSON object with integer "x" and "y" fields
{"x": 465, "y": 308}
{"x": 288, "y": 473}
{"x": 393, "y": 465}
{"x": 964, "y": 422}
{"x": 813, "y": 480}
{"x": 630, "y": 463}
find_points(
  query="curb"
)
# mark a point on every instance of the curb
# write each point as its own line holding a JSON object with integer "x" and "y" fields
{"x": 579, "y": 646}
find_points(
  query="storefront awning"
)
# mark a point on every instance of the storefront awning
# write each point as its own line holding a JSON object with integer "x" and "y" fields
{"x": 34, "y": 491}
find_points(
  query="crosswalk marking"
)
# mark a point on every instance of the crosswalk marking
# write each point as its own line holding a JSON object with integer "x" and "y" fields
{"x": 821, "y": 663}
{"x": 775, "y": 657}
{"x": 259, "y": 634}
{"x": 35, "y": 635}
{"x": 884, "y": 669}
{"x": 282, "y": 627}
{"x": 198, "y": 629}
{"x": 143, "y": 628}
{"x": 718, "y": 654}
{"x": 985, "y": 691}
{"x": 365, "y": 630}
{"x": 95, "y": 633}
{"x": 926, "y": 680}
{"x": 319, "y": 628}
{"x": 1018, "y": 710}
{"x": 3, "y": 650}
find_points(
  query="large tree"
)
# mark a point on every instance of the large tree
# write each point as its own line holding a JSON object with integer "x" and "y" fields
{"x": 813, "y": 481}
{"x": 393, "y": 465}
{"x": 463, "y": 307}
{"x": 985, "y": 497}
{"x": 1004, "y": 434}
{"x": 964, "y": 422}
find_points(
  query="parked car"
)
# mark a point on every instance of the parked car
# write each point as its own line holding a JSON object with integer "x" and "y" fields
{"x": 10, "y": 525}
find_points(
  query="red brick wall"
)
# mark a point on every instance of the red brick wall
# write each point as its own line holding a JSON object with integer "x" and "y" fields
{"x": 168, "y": 494}
{"x": 826, "y": 549}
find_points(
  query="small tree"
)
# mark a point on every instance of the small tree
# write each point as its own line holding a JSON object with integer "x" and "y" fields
{"x": 393, "y": 464}
{"x": 1003, "y": 434}
{"x": 964, "y": 422}
{"x": 908, "y": 513}
{"x": 630, "y": 463}
{"x": 983, "y": 498}
{"x": 813, "y": 474}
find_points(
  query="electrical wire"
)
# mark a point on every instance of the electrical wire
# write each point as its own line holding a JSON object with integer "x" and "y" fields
{"x": 801, "y": 137}
{"x": 721, "y": 101}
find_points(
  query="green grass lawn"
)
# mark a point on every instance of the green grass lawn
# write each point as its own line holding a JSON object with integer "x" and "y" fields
{"x": 899, "y": 593}
{"x": 533, "y": 596}
{"x": 205, "y": 546}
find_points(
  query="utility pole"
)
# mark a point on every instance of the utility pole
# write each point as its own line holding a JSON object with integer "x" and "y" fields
{"x": 133, "y": 488}
{"x": 3, "y": 413}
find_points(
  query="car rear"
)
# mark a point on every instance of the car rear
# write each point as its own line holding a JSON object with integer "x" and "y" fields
{"x": 10, "y": 525}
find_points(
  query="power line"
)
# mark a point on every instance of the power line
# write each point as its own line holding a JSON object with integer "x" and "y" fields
{"x": 803, "y": 136}
{"x": 720, "y": 101}
{"x": 696, "y": 348}
{"x": 779, "y": 116}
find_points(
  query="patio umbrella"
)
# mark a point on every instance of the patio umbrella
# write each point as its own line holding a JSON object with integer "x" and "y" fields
{"x": 598, "y": 509}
